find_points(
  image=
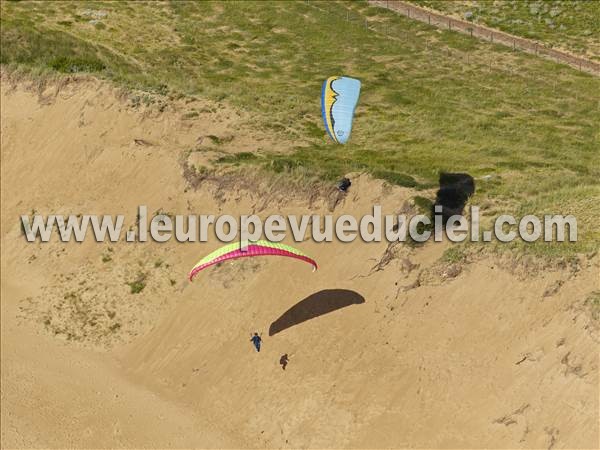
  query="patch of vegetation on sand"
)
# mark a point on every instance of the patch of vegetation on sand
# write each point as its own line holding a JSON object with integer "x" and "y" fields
{"x": 138, "y": 284}
{"x": 593, "y": 304}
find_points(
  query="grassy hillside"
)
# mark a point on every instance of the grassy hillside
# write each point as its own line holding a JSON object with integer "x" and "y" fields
{"x": 432, "y": 100}
{"x": 573, "y": 25}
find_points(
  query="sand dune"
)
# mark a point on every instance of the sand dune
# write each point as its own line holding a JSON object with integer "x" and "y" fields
{"x": 487, "y": 353}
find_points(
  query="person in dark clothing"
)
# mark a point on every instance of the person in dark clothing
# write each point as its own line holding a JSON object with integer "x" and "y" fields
{"x": 256, "y": 340}
{"x": 344, "y": 184}
{"x": 284, "y": 360}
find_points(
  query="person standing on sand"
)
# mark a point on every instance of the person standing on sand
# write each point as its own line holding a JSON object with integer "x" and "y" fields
{"x": 284, "y": 360}
{"x": 256, "y": 340}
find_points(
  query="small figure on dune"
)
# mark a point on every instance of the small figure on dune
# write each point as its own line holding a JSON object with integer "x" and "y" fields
{"x": 344, "y": 184}
{"x": 256, "y": 340}
{"x": 284, "y": 360}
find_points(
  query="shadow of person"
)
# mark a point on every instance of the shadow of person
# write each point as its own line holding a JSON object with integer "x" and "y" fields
{"x": 315, "y": 305}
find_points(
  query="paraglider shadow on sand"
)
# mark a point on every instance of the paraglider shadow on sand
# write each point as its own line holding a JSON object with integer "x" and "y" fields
{"x": 315, "y": 305}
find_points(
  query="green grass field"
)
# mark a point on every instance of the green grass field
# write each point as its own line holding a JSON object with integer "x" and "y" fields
{"x": 573, "y": 25}
{"x": 432, "y": 100}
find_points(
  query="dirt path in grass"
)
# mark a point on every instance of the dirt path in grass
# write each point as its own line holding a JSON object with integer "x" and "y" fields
{"x": 489, "y": 34}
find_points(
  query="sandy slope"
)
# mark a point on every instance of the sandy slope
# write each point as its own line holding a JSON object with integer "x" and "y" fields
{"x": 488, "y": 353}
{"x": 54, "y": 395}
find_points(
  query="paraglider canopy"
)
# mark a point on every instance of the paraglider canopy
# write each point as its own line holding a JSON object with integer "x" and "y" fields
{"x": 249, "y": 249}
{"x": 339, "y": 97}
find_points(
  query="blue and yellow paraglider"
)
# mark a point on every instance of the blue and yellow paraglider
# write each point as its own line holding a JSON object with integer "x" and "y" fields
{"x": 339, "y": 97}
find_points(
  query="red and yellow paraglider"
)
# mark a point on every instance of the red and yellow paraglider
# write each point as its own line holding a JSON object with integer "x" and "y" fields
{"x": 246, "y": 249}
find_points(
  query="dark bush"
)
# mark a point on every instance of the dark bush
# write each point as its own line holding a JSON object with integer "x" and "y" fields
{"x": 67, "y": 64}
